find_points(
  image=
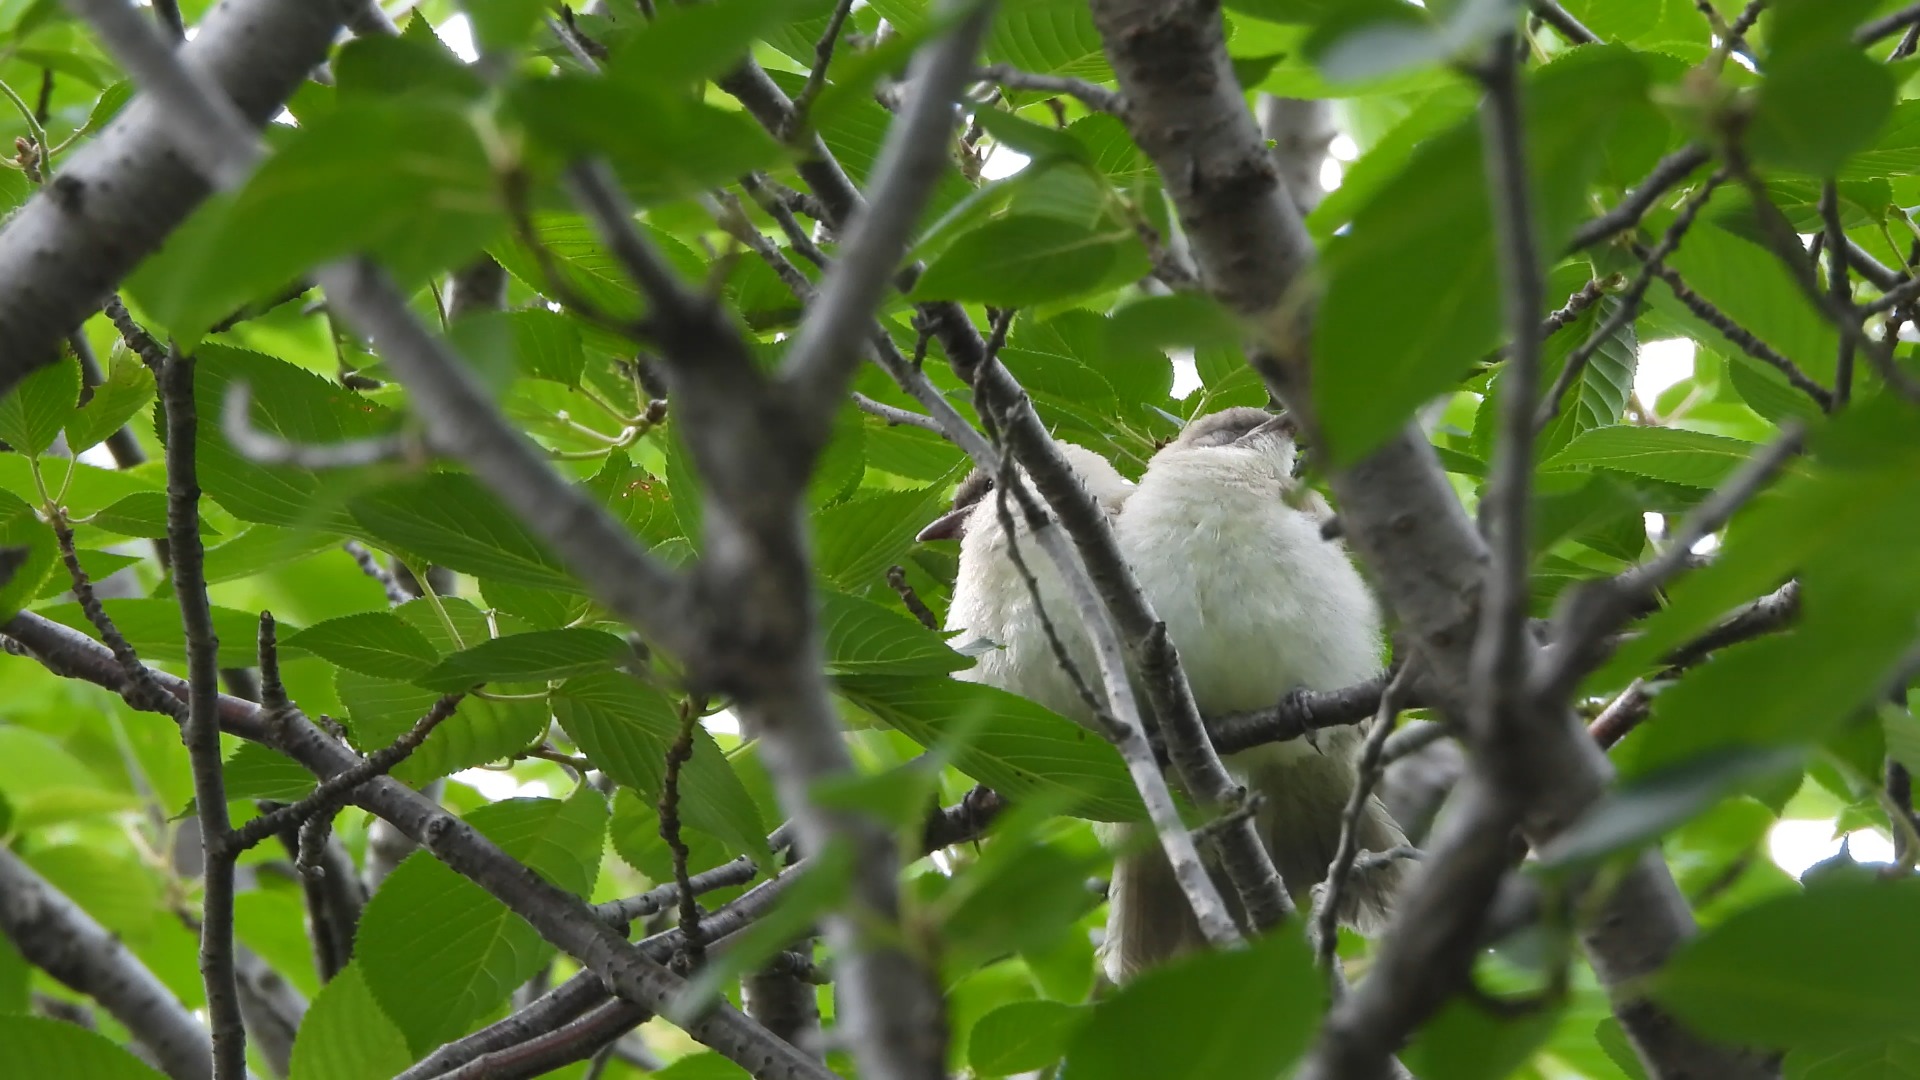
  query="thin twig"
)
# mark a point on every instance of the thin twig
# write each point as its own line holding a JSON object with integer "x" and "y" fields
{"x": 1502, "y": 650}
{"x": 1887, "y": 25}
{"x": 1596, "y": 610}
{"x": 1669, "y": 171}
{"x": 150, "y": 352}
{"x": 1581, "y": 299}
{"x": 337, "y": 790}
{"x": 1327, "y": 910}
{"x": 1629, "y": 306}
{"x": 273, "y": 691}
{"x": 1839, "y": 289}
{"x": 763, "y": 193}
{"x": 1740, "y": 336}
{"x": 1560, "y": 19}
{"x": 817, "y": 75}
{"x": 896, "y": 416}
{"x": 897, "y": 581}
{"x": 143, "y": 687}
{"x": 1092, "y": 95}
{"x": 397, "y": 593}
{"x": 202, "y": 729}
{"x": 677, "y": 756}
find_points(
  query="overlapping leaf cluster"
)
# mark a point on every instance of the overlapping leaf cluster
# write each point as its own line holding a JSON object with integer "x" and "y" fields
{"x": 429, "y": 163}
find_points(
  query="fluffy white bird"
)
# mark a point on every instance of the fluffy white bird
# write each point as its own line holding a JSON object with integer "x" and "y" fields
{"x": 992, "y": 602}
{"x": 1227, "y": 546}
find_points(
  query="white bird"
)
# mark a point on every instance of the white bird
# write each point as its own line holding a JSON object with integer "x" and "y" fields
{"x": 1226, "y": 545}
{"x": 992, "y": 602}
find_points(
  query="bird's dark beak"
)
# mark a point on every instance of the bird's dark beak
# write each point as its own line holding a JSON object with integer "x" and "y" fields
{"x": 947, "y": 526}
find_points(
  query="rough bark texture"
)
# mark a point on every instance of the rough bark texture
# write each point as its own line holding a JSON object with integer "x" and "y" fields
{"x": 56, "y": 935}
{"x": 116, "y": 198}
{"x": 1187, "y": 112}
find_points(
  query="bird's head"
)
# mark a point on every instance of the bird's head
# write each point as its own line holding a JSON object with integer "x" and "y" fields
{"x": 972, "y": 509}
{"x": 1241, "y": 432}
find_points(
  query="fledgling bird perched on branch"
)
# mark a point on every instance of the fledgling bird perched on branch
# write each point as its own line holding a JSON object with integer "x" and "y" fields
{"x": 992, "y": 601}
{"x": 1227, "y": 547}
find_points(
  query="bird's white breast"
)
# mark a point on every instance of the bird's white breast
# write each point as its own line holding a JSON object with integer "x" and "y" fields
{"x": 1256, "y": 602}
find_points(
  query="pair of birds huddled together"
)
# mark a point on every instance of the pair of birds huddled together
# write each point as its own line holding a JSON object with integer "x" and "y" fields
{"x": 1227, "y": 545}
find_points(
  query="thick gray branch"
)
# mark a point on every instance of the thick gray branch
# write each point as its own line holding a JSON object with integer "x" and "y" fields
{"x": 1186, "y": 112}
{"x": 118, "y": 196}
{"x": 56, "y": 935}
{"x": 460, "y": 418}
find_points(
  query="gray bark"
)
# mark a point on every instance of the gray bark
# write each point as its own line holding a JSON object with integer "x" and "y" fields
{"x": 116, "y": 198}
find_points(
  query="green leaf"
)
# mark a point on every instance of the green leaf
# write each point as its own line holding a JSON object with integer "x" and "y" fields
{"x": 1806, "y": 519}
{"x": 296, "y": 405}
{"x": 97, "y": 565}
{"x": 39, "y": 405}
{"x": 41, "y": 1047}
{"x": 142, "y": 514}
{"x": 1896, "y": 152}
{"x": 127, "y": 389}
{"x": 449, "y": 519}
{"x": 1242, "y": 1015}
{"x": 1018, "y": 896}
{"x": 254, "y": 771}
{"x": 1817, "y": 107}
{"x": 695, "y": 43}
{"x": 1036, "y": 141}
{"x": 546, "y": 343}
{"x": 106, "y": 107}
{"x": 346, "y": 1036}
{"x": 625, "y": 728}
{"x": 502, "y": 25}
{"x": 1890, "y": 1059}
{"x": 153, "y": 628}
{"x": 539, "y": 608}
{"x": 1675, "y": 455}
{"x": 857, "y": 540}
{"x": 406, "y": 181}
{"x": 1465, "y": 1042}
{"x": 1744, "y": 279}
{"x": 1018, "y": 748}
{"x": 380, "y": 65}
{"x": 438, "y": 953}
{"x": 479, "y": 731}
{"x": 1023, "y": 260}
{"x": 706, "y": 1065}
{"x": 1825, "y": 967}
{"x": 1649, "y": 806}
{"x": 260, "y": 549}
{"x": 375, "y": 643}
{"x": 1023, "y": 1036}
{"x": 27, "y": 554}
{"x": 863, "y": 637}
{"x": 541, "y": 656}
{"x": 45, "y": 783}
{"x": 661, "y": 145}
{"x": 1370, "y": 373}
{"x": 1599, "y": 396}
{"x": 1054, "y": 37}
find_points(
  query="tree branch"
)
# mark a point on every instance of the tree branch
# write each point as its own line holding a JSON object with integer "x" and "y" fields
{"x": 201, "y": 731}
{"x": 560, "y": 917}
{"x": 56, "y": 935}
{"x": 119, "y": 196}
{"x": 459, "y": 416}
{"x": 1670, "y": 170}
{"x": 1405, "y": 522}
{"x": 1092, "y": 95}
